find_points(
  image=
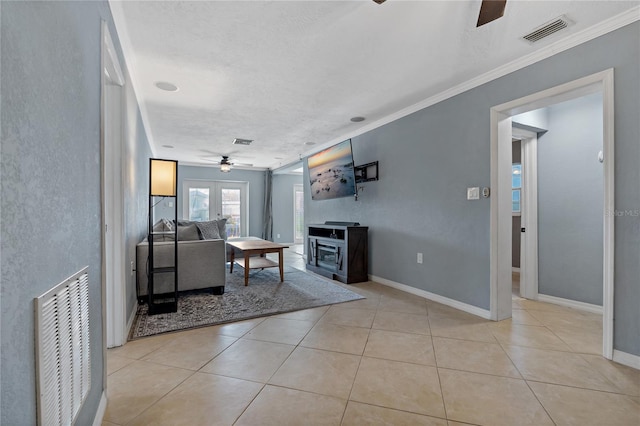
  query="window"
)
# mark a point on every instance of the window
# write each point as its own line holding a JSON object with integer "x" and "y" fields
{"x": 516, "y": 187}
{"x": 209, "y": 200}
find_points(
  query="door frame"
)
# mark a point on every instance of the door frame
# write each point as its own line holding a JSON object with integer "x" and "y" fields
{"x": 528, "y": 213}
{"x": 501, "y": 137}
{"x": 113, "y": 265}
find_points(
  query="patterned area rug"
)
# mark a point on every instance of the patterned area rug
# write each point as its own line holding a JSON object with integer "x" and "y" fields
{"x": 265, "y": 295}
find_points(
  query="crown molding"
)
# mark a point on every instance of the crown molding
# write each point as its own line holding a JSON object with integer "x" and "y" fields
{"x": 615, "y": 22}
{"x": 130, "y": 64}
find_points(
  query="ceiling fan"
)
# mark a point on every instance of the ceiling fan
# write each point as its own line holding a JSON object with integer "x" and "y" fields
{"x": 225, "y": 163}
{"x": 490, "y": 10}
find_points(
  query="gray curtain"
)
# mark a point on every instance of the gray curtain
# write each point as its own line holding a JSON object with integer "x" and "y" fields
{"x": 267, "y": 218}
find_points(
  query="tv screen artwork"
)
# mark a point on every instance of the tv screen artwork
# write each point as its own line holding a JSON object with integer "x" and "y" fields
{"x": 331, "y": 172}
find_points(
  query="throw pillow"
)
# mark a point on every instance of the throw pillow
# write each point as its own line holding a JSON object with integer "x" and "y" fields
{"x": 209, "y": 230}
{"x": 222, "y": 228}
{"x": 188, "y": 233}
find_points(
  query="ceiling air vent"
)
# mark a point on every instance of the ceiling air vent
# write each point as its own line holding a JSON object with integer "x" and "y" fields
{"x": 547, "y": 29}
{"x": 238, "y": 141}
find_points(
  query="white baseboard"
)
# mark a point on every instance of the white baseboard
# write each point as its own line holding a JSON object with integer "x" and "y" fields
{"x": 624, "y": 358}
{"x": 102, "y": 408}
{"x": 474, "y": 310}
{"x": 588, "y": 307}
{"x": 127, "y": 329}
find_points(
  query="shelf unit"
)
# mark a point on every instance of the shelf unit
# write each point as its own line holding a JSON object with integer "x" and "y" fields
{"x": 165, "y": 302}
{"x": 339, "y": 250}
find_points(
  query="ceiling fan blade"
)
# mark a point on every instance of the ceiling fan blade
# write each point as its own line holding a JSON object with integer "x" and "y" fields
{"x": 490, "y": 10}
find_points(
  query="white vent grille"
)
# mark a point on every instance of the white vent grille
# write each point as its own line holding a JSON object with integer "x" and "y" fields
{"x": 547, "y": 29}
{"x": 238, "y": 141}
{"x": 63, "y": 358}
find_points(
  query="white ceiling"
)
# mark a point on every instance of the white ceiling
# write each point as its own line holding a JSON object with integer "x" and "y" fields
{"x": 292, "y": 73}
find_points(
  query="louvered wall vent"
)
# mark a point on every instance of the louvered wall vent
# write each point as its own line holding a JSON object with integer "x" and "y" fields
{"x": 63, "y": 358}
{"x": 238, "y": 141}
{"x": 547, "y": 29}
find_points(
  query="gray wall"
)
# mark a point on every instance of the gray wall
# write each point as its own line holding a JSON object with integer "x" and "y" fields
{"x": 256, "y": 191}
{"x": 428, "y": 159}
{"x": 282, "y": 198}
{"x": 50, "y": 180}
{"x": 570, "y": 194}
{"x": 136, "y": 190}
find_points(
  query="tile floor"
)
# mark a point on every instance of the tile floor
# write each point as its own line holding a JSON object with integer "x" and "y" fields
{"x": 390, "y": 359}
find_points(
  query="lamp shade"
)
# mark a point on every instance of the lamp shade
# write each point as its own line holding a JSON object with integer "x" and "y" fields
{"x": 163, "y": 175}
{"x": 225, "y": 168}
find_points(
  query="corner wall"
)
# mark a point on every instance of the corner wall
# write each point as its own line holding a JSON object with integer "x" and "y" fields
{"x": 50, "y": 178}
{"x": 429, "y": 158}
{"x": 282, "y": 197}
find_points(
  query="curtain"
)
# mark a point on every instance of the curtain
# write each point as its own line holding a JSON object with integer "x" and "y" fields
{"x": 267, "y": 218}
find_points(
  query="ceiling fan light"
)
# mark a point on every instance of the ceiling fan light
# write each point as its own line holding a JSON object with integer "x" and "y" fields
{"x": 225, "y": 168}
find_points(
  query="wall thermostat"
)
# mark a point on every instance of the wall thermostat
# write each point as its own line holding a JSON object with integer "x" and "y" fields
{"x": 485, "y": 192}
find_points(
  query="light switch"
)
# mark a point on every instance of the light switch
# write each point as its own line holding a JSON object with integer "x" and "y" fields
{"x": 473, "y": 193}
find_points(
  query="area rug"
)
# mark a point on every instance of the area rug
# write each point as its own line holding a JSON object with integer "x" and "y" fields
{"x": 265, "y": 295}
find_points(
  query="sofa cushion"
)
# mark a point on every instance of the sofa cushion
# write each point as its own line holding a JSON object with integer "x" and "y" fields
{"x": 213, "y": 229}
{"x": 188, "y": 233}
{"x": 163, "y": 225}
{"x": 209, "y": 230}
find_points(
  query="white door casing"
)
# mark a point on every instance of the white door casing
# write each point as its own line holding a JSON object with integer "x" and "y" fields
{"x": 113, "y": 262}
{"x": 501, "y": 141}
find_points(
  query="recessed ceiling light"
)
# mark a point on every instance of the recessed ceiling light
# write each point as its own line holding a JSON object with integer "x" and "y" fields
{"x": 167, "y": 146}
{"x": 357, "y": 119}
{"x": 278, "y": 158}
{"x": 167, "y": 87}
{"x": 309, "y": 143}
{"x": 239, "y": 141}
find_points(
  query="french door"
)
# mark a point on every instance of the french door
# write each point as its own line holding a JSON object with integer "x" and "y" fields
{"x": 205, "y": 200}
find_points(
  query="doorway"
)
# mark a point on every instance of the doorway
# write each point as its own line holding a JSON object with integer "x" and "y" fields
{"x": 524, "y": 205}
{"x": 113, "y": 262}
{"x": 205, "y": 200}
{"x": 501, "y": 171}
{"x": 298, "y": 214}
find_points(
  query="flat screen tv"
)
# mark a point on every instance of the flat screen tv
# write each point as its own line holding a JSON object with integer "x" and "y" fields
{"x": 331, "y": 172}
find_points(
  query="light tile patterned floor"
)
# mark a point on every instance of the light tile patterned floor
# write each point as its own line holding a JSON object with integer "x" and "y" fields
{"x": 393, "y": 358}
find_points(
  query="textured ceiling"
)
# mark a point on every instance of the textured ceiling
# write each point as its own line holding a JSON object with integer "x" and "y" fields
{"x": 292, "y": 73}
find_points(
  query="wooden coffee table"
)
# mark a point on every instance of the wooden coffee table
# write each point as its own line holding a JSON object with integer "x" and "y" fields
{"x": 252, "y": 248}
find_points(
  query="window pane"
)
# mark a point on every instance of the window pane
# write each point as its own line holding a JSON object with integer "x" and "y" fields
{"x": 198, "y": 204}
{"x": 231, "y": 210}
{"x": 516, "y": 176}
{"x": 515, "y": 200}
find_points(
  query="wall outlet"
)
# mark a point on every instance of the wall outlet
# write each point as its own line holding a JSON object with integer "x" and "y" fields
{"x": 278, "y": 235}
{"x": 132, "y": 268}
{"x": 419, "y": 257}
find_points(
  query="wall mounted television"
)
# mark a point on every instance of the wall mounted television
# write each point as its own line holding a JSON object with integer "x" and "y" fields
{"x": 331, "y": 172}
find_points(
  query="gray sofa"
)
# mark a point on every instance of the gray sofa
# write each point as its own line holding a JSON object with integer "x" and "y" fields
{"x": 201, "y": 262}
